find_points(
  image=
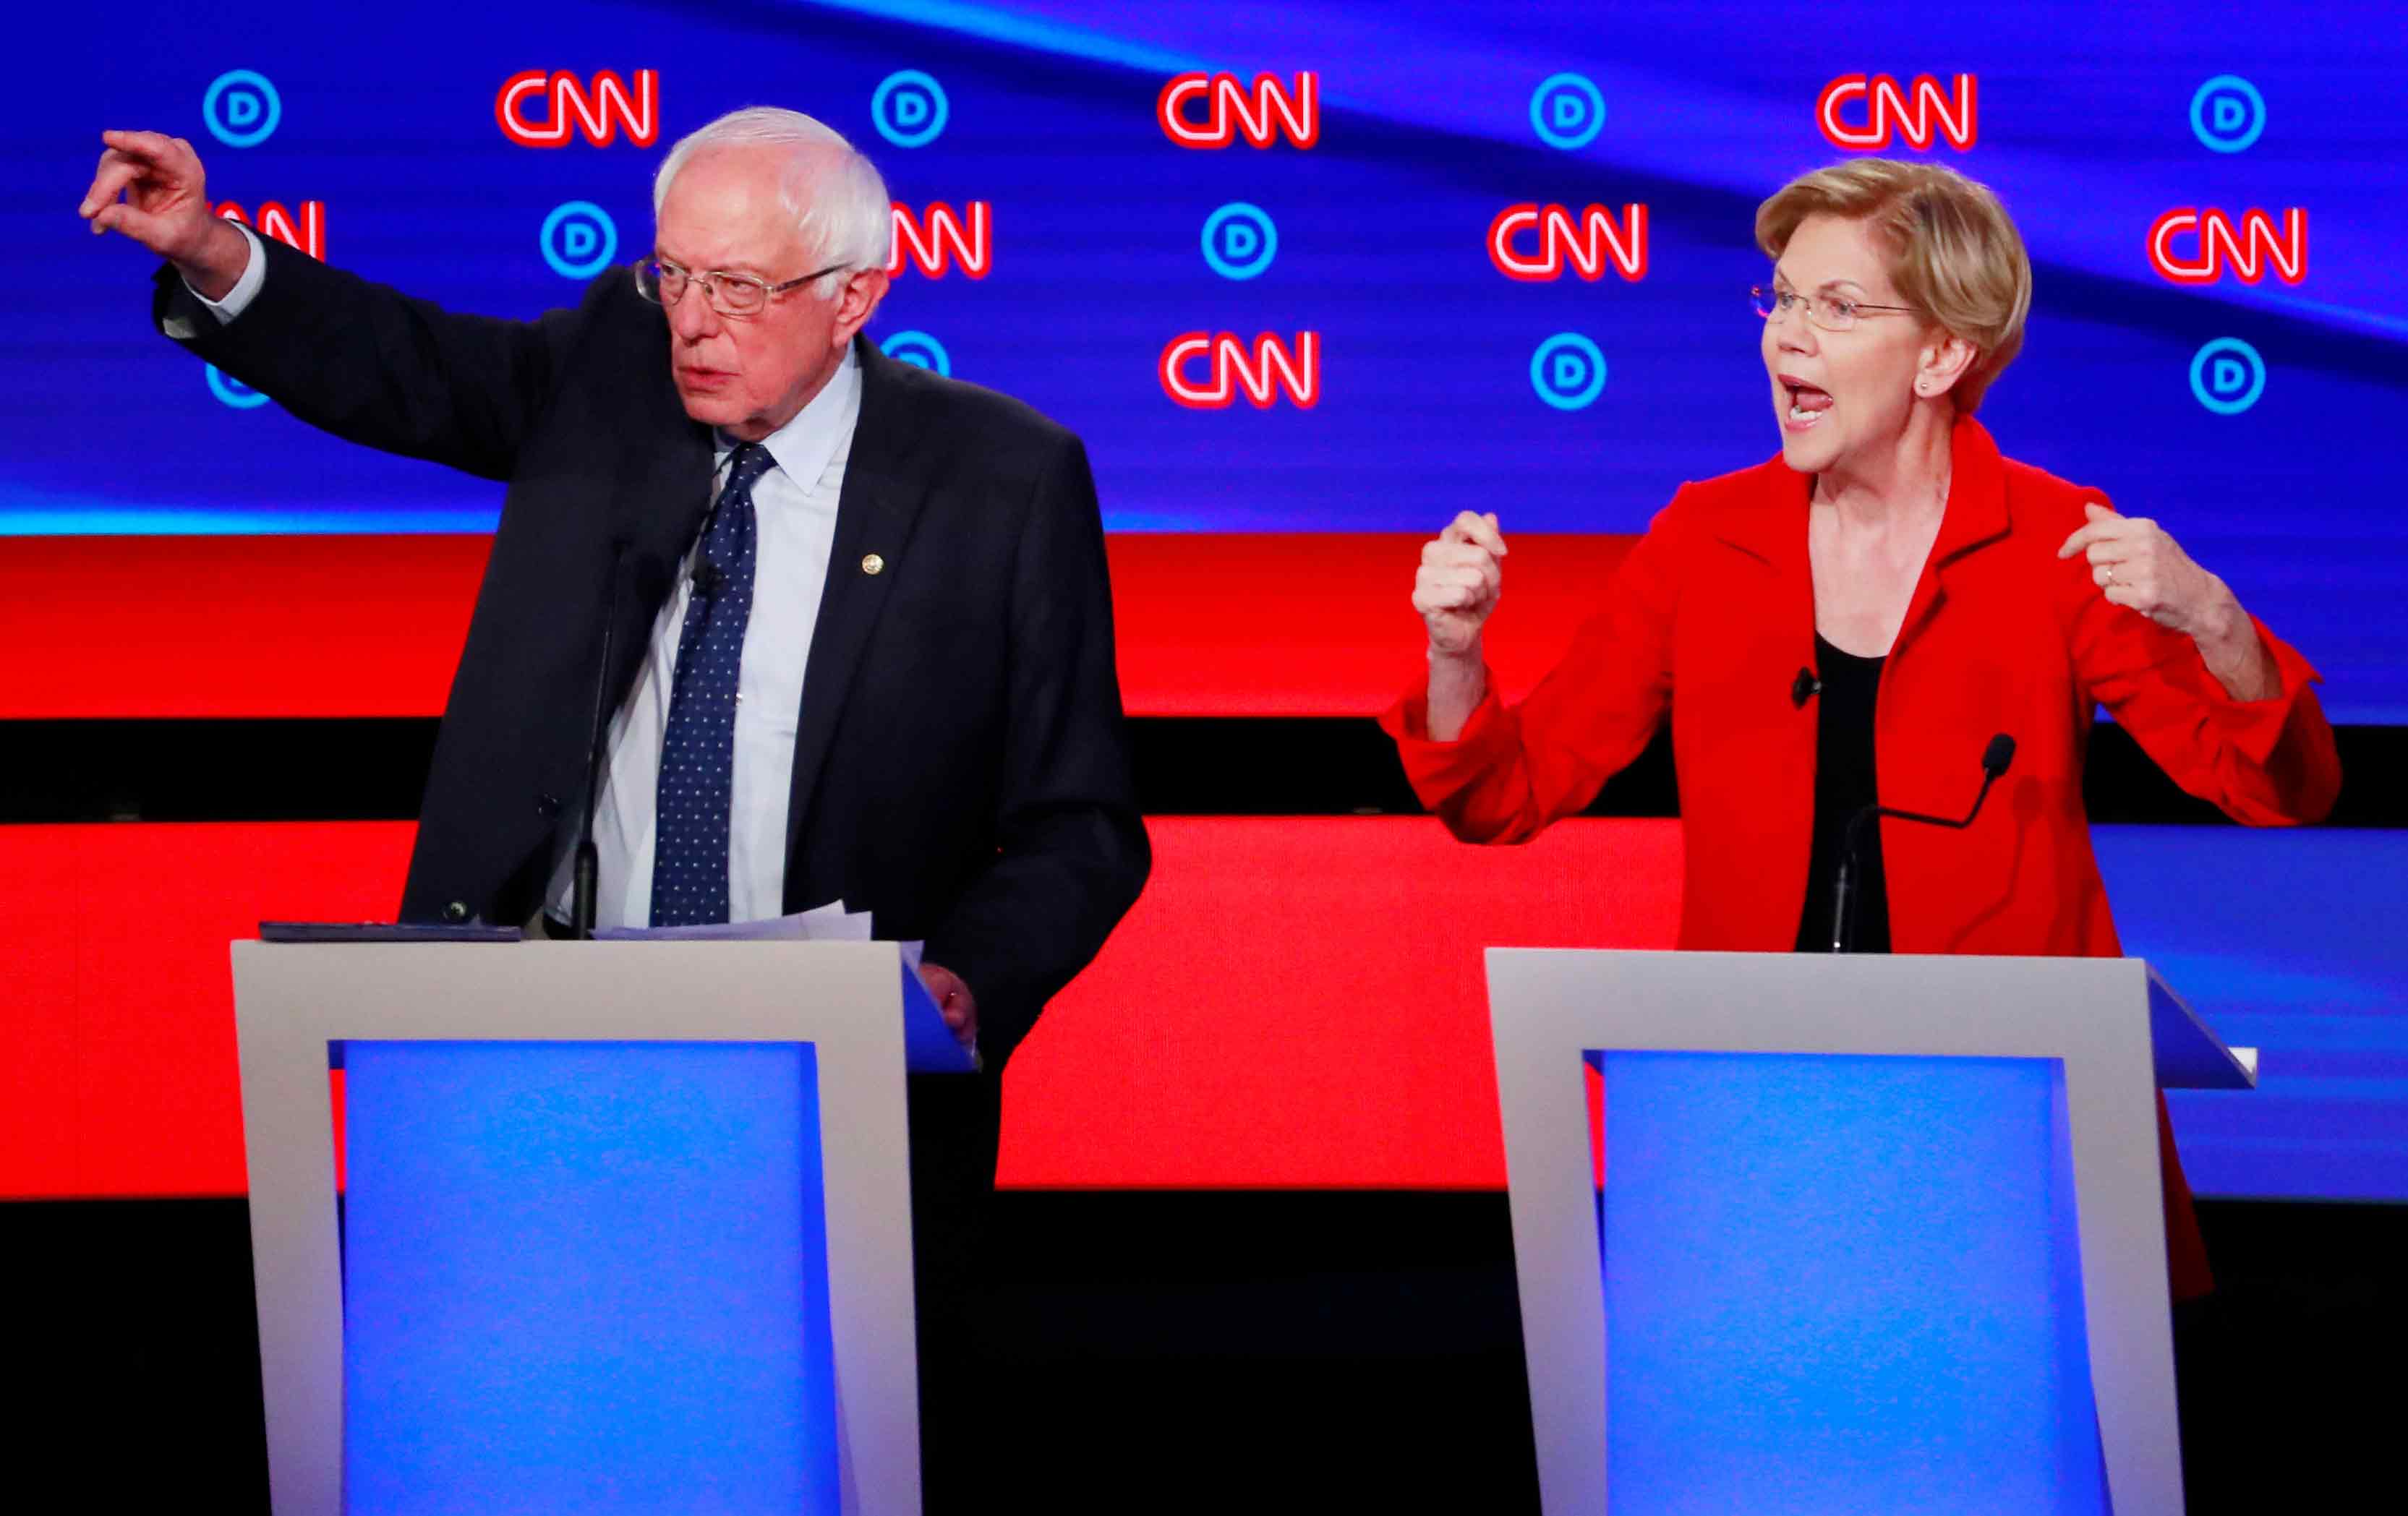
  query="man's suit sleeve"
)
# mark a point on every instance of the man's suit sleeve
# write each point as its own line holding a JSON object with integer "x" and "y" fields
{"x": 373, "y": 365}
{"x": 1071, "y": 852}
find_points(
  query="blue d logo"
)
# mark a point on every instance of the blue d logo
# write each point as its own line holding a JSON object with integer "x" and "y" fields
{"x": 579, "y": 239}
{"x": 1240, "y": 240}
{"x": 2227, "y": 113}
{"x": 231, "y": 391}
{"x": 1567, "y": 371}
{"x": 919, "y": 350}
{"x": 909, "y": 108}
{"x": 1567, "y": 112}
{"x": 241, "y": 108}
{"x": 2226, "y": 376}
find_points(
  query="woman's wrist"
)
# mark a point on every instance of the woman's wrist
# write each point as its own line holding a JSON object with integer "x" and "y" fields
{"x": 1457, "y": 683}
{"x": 2228, "y": 645}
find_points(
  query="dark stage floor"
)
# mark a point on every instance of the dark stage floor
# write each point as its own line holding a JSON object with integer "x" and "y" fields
{"x": 1255, "y": 1351}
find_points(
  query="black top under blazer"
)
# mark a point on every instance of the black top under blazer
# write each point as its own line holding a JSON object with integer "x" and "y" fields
{"x": 961, "y": 763}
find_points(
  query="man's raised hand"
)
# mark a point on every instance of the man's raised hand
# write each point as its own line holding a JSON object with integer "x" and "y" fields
{"x": 150, "y": 187}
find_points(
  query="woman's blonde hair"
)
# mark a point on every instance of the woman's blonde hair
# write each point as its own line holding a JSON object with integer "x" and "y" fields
{"x": 1954, "y": 253}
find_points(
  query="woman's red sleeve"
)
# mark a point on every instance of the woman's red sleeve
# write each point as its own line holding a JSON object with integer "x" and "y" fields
{"x": 2265, "y": 763}
{"x": 1513, "y": 770}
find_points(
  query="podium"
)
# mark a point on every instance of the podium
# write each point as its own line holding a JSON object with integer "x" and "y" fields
{"x": 1848, "y": 1233}
{"x": 623, "y": 1225}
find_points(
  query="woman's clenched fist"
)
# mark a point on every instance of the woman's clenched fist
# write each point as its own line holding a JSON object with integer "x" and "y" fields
{"x": 1458, "y": 582}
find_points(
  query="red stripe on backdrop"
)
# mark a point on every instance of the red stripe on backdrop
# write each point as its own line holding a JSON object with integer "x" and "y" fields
{"x": 1294, "y": 625}
{"x": 119, "y": 1033}
{"x": 1301, "y": 1003}
{"x": 1294, "y": 1003}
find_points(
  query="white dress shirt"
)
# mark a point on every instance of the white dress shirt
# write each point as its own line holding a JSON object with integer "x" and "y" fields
{"x": 796, "y": 531}
{"x": 795, "y": 505}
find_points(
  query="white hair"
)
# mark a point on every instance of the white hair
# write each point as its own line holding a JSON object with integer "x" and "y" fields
{"x": 845, "y": 213}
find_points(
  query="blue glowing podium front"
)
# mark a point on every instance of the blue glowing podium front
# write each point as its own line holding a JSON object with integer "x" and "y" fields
{"x": 603, "y": 1227}
{"x": 1859, "y": 1233}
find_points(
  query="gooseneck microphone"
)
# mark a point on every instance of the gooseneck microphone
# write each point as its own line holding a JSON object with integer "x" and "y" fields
{"x": 588, "y": 869}
{"x": 1994, "y": 760}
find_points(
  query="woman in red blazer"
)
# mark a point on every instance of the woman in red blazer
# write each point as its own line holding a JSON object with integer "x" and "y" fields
{"x": 1859, "y": 616}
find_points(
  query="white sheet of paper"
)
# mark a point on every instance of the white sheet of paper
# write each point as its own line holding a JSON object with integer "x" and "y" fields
{"x": 831, "y": 923}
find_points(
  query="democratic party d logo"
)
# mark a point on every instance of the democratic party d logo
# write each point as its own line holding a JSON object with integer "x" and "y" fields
{"x": 909, "y": 108}
{"x": 1240, "y": 240}
{"x": 2227, "y": 114}
{"x": 579, "y": 239}
{"x": 1567, "y": 112}
{"x": 241, "y": 108}
{"x": 2226, "y": 376}
{"x": 233, "y": 392}
{"x": 1567, "y": 371}
{"x": 919, "y": 350}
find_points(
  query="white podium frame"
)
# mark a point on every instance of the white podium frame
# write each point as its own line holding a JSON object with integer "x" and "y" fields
{"x": 845, "y": 999}
{"x": 2118, "y": 1029}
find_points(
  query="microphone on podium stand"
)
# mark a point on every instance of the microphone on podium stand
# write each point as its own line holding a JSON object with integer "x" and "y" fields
{"x": 588, "y": 867}
{"x": 1994, "y": 760}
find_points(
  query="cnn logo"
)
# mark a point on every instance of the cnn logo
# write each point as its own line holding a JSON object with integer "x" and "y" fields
{"x": 2256, "y": 244}
{"x": 1269, "y": 369}
{"x": 305, "y": 230}
{"x": 1231, "y": 111}
{"x": 1921, "y": 112}
{"x": 939, "y": 241}
{"x": 1590, "y": 243}
{"x": 599, "y": 112}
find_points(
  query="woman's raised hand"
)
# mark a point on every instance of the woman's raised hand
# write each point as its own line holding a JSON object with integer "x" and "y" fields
{"x": 2135, "y": 564}
{"x": 1459, "y": 581}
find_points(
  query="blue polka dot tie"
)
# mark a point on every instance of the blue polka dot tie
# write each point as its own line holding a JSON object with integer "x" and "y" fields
{"x": 698, "y": 751}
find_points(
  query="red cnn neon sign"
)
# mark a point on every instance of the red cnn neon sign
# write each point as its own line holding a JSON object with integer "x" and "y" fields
{"x": 1589, "y": 243}
{"x": 940, "y": 240}
{"x": 599, "y": 114}
{"x": 1933, "y": 113}
{"x": 1232, "y": 111}
{"x": 2247, "y": 250}
{"x": 1261, "y": 374}
{"x": 307, "y": 231}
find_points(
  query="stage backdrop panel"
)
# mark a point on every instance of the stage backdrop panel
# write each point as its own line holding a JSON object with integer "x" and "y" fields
{"x": 1294, "y": 1003}
{"x": 1302, "y": 268}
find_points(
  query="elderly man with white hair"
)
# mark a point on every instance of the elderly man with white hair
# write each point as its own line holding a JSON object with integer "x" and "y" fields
{"x": 860, "y": 615}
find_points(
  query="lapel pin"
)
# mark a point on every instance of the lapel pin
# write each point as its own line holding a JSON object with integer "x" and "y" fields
{"x": 872, "y": 564}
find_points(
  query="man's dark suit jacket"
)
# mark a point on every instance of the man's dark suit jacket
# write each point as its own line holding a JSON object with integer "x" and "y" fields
{"x": 961, "y": 767}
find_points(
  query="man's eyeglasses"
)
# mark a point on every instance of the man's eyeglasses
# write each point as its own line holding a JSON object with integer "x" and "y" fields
{"x": 665, "y": 283}
{"x": 1832, "y": 312}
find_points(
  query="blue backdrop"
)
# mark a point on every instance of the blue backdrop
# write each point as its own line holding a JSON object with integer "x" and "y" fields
{"x": 2091, "y": 121}
{"x": 2253, "y": 418}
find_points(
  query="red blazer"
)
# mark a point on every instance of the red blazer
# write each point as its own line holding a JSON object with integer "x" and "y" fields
{"x": 1716, "y": 603}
